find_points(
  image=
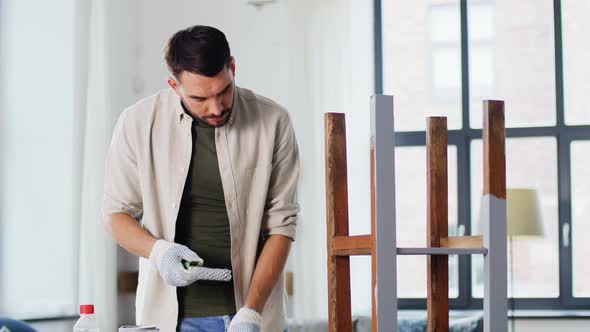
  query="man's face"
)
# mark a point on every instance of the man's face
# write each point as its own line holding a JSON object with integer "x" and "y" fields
{"x": 208, "y": 98}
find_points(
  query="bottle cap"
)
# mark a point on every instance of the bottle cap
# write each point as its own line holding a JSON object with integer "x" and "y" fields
{"x": 86, "y": 309}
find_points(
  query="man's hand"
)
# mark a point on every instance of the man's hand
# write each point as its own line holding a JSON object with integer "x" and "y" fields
{"x": 246, "y": 320}
{"x": 179, "y": 266}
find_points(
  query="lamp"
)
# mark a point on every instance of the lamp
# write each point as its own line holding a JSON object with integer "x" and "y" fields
{"x": 522, "y": 213}
{"x": 524, "y": 221}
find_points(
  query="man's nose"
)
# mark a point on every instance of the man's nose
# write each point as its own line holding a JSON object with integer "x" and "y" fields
{"x": 216, "y": 107}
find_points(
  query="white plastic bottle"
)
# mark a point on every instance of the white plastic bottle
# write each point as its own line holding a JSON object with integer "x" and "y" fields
{"x": 87, "y": 322}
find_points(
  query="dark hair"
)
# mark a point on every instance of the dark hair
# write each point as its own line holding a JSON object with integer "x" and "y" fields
{"x": 198, "y": 49}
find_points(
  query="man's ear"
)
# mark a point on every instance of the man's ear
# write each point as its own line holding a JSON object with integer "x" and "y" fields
{"x": 233, "y": 66}
{"x": 174, "y": 85}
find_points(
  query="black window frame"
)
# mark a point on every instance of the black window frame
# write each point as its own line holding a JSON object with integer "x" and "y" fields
{"x": 462, "y": 138}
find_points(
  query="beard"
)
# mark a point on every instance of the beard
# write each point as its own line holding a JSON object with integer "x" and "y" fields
{"x": 211, "y": 120}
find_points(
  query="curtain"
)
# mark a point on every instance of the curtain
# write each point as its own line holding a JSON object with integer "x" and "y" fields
{"x": 37, "y": 160}
{"x": 330, "y": 70}
{"x": 97, "y": 251}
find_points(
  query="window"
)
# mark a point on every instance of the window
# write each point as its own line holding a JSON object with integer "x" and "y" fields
{"x": 423, "y": 62}
{"x": 481, "y": 58}
{"x": 575, "y": 29}
{"x": 410, "y": 168}
{"x": 511, "y": 57}
{"x": 535, "y": 260}
{"x": 444, "y": 58}
{"x": 580, "y": 169}
{"x": 445, "y": 45}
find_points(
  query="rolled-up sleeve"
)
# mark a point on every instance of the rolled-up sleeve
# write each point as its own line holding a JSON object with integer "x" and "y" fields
{"x": 122, "y": 191}
{"x": 280, "y": 214}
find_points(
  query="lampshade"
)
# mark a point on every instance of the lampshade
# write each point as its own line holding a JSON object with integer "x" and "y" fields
{"x": 523, "y": 215}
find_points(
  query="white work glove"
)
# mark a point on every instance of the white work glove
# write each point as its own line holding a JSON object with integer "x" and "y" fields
{"x": 246, "y": 320}
{"x": 179, "y": 266}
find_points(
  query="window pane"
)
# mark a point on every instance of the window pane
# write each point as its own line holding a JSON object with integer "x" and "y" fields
{"x": 422, "y": 61}
{"x": 580, "y": 215}
{"x": 576, "y": 51}
{"x": 530, "y": 163}
{"x": 410, "y": 200}
{"x": 511, "y": 57}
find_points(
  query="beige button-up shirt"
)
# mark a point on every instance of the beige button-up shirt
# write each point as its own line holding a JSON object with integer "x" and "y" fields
{"x": 146, "y": 167}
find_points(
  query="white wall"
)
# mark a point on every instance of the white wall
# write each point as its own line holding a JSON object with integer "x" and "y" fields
{"x": 256, "y": 37}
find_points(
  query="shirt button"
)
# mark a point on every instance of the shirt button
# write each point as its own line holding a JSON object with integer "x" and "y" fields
{"x": 182, "y": 169}
{"x": 173, "y": 205}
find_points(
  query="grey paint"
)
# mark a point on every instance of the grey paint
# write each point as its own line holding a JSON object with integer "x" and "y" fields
{"x": 495, "y": 301}
{"x": 382, "y": 142}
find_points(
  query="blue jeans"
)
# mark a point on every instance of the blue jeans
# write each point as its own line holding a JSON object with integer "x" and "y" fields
{"x": 207, "y": 324}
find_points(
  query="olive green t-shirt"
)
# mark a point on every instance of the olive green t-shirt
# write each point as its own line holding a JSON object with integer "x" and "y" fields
{"x": 203, "y": 226}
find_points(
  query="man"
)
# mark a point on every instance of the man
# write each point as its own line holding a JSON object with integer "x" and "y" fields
{"x": 212, "y": 170}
